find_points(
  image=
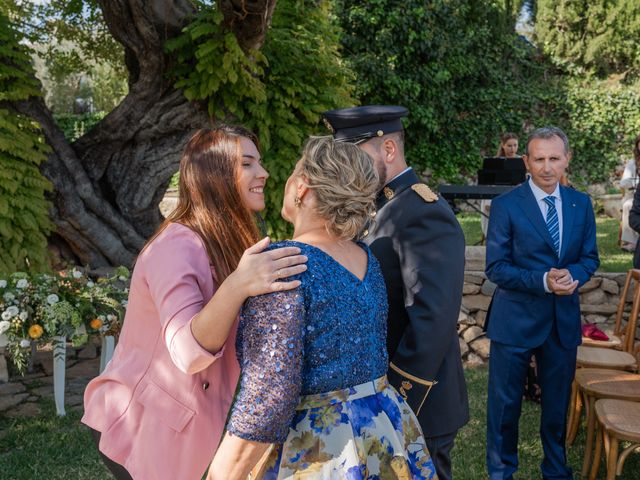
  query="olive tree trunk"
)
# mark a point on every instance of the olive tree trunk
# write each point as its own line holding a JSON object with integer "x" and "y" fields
{"x": 108, "y": 183}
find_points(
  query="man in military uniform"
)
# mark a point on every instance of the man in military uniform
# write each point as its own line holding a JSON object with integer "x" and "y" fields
{"x": 420, "y": 246}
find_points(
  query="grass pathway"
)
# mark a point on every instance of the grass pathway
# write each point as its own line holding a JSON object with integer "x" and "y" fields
{"x": 52, "y": 448}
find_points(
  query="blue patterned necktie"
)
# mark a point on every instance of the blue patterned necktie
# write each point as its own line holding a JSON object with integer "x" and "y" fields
{"x": 553, "y": 224}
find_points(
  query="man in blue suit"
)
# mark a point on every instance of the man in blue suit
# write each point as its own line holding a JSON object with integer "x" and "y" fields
{"x": 541, "y": 246}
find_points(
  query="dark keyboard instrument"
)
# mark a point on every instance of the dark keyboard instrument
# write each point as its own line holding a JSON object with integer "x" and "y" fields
{"x": 502, "y": 171}
{"x": 472, "y": 192}
{"x": 497, "y": 175}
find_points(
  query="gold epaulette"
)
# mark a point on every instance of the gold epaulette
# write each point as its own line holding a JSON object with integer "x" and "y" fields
{"x": 425, "y": 192}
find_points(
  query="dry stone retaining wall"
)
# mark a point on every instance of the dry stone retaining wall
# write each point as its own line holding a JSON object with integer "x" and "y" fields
{"x": 598, "y": 303}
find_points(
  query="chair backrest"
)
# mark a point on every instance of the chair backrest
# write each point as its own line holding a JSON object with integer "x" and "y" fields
{"x": 628, "y": 333}
{"x": 617, "y": 329}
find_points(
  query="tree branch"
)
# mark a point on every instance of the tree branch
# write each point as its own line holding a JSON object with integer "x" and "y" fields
{"x": 249, "y": 20}
{"x": 108, "y": 184}
{"x": 68, "y": 175}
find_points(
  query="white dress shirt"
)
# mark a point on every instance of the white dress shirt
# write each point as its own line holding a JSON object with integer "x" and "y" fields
{"x": 540, "y": 195}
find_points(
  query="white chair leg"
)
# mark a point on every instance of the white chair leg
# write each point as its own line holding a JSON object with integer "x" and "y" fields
{"x": 59, "y": 370}
{"x": 108, "y": 345}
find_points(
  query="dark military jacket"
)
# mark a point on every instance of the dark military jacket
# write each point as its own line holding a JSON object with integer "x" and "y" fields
{"x": 420, "y": 246}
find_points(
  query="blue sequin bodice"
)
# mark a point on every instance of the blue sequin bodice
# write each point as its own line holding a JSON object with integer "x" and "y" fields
{"x": 326, "y": 335}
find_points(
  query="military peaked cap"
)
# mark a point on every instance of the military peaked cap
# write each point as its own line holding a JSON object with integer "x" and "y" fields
{"x": 357, "y": 124}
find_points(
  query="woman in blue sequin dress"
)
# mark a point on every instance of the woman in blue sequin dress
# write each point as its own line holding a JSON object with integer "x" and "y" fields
{"x": 313, "y": 391}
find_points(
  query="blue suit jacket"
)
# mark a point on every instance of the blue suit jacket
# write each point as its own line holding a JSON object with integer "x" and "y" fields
{"x": 520, "y": 251}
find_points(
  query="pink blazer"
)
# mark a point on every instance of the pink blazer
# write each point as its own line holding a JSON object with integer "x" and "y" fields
{"x": 162, "y": 401}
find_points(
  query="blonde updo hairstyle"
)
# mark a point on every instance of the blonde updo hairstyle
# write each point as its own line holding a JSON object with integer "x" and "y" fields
{"x": 345, "y": 182}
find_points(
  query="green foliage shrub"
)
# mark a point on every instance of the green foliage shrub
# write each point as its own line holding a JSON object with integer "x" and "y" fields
{"x": 74, "y": 126}
{"x": 100, "y": 85}
{"x": 466, "y": 77}
{"x": 602, "y": 120}
{"x": 279, "y": 92}
{"x": 77, "y": 57}
{"x": 597, "y": 36}
{"x": 24, "y": 221}
{"x": 463, "y": 75}
{"x": 598, "y": 98}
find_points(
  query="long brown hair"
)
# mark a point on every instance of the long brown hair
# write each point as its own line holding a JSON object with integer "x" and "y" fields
{"x": 209, "y": 202}
{"x": 503, "y": 139}
{"x": 636, "y": 153}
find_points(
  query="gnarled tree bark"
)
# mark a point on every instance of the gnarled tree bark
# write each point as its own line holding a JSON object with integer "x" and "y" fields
{"x": 108, "y": 183}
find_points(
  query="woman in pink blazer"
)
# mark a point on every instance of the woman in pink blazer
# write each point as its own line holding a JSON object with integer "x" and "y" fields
{"x": 159, "y": 408}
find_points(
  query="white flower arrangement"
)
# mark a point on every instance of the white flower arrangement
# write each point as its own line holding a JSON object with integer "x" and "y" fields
{"x": 4, "y": 326}
{"x": 52, "y": 299}
{"x": 12, "y": 311}
{"x": 38, "y": 307}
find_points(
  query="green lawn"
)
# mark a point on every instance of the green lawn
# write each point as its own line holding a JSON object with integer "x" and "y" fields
{"x": 470, "y": 223}
{"x": 48, "y": 447}
{"x": 52, "y": 448}
{"x": 612, "y": 258}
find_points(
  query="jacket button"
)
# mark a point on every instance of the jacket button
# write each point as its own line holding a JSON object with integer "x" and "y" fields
{"x": 205, "y": 385}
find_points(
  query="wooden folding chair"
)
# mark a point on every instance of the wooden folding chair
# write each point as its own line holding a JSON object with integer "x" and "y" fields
{"x": 607, "y": 358}
{"x": 619, "y": 421}
{"x": 596, "y": 384}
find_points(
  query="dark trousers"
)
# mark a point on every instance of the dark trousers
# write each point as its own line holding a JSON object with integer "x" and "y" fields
{"x": 507, "y": 371}
{"x": 440, "y": 451}
{"x": 118, "y": 471}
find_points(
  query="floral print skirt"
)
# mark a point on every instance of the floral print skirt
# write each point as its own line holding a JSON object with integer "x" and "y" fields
{"x": 363, "y": 432}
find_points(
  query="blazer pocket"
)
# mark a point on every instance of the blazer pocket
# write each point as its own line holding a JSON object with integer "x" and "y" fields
{"x": 167, "y": 409}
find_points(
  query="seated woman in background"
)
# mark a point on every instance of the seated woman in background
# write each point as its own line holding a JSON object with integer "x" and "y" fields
{"x": 314, "y": 359}
{"x": 508, "y": 148}
{"x": 629, "y": 182}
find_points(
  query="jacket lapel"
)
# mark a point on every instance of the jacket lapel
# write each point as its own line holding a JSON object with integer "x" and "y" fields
{"x": 568, "y": 214}
{"x": 532, "y": 211}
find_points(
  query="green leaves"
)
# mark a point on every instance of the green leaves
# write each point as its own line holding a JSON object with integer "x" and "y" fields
{"x": 213, "y": 68}
{"x": 24, "y": 221}
{"x": 466, "y": 77}
{"x": 598, "y": 37}
{"x": 279, "y": 92}
{"x": 603, "y": 120}
{"x": 451, "y": 63}
{"x": 16, "y": 75}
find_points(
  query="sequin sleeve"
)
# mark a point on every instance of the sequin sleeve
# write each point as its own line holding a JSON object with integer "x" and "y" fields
{"x": 270, "y": 343}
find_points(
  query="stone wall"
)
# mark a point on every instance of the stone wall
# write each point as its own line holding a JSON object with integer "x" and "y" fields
{"x": 598, "y": 303}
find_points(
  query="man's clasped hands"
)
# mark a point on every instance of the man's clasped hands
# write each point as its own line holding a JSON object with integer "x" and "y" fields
{"x": 560, "y": 281}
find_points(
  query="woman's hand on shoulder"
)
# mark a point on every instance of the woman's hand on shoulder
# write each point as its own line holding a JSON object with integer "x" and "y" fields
{"x": 261, "y": 272}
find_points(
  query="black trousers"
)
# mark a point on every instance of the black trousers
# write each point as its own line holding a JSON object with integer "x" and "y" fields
{"x": 118, "y": 471}
{"x": 440, "y": 451}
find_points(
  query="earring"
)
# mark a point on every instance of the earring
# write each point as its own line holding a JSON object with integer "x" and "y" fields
{"x": 297, "y": 201}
